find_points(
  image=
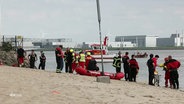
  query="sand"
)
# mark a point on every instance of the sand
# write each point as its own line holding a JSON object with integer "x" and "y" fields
{"x": 29, "y": 86}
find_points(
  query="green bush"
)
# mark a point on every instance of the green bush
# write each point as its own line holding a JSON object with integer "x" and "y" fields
{"x": 6, "y": 46}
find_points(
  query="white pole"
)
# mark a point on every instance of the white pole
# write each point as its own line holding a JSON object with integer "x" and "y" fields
{"x": 99, "y": 21}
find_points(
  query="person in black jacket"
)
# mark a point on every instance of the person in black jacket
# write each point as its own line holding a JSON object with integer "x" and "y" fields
{"x": 126, "y": 66}
{"x": 66, "y": 59}
{"x": 70, "y": 59}
{"x": 20, "y": 56}
{"x": 42, "y": 61}
{"x": 150, "y": 65}
{"x": 93, "y": 65}
{"x": 32, "y": 59}
{"x": 117, "y": 62}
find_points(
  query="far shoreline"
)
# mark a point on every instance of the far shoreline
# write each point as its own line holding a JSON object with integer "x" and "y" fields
{"x": 121, "y": 48}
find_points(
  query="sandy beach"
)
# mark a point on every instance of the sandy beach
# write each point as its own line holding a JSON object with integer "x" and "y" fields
{"x": 28, "y": 86}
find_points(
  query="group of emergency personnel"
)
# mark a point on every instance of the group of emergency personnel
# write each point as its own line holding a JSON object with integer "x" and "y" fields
{"x": 84, "y": 60}
{"x": 170, "y": 66}
{"x": 131, "y": 68}
{"x": 171, "y": 72}
{"x": 73, "y": 59}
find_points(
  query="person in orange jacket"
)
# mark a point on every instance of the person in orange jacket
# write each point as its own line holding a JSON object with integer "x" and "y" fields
{"x": 155, "y": 61}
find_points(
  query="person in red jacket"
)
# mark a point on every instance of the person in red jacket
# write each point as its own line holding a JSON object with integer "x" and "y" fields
{"x": 134, "y": 67}
{"x": 172, "y": 65}
{"x": 167, "y": 73}
{"x": 155, "y": 61}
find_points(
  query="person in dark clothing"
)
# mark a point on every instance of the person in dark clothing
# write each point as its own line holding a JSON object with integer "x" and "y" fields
{"x": 65, "y": 59}
{"x": 58, "y": 59}
{"x": 92, "y": 65}
{"x": 126, "y": 66}
{"x": 20, "y": 56}
{"x": 61, "y": 56}
{"x": 172, "y": 65}
{"x": 42, "y": 61}
{"x": 134, "y": 67}
{"x": 32, "y": 59}
{"x": 70, "y": 59}
{"x": 151, "y": 69}
{"x": 117, "y": 62}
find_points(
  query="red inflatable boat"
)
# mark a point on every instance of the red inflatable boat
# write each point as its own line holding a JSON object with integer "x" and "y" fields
{"x": 83, "y": 71}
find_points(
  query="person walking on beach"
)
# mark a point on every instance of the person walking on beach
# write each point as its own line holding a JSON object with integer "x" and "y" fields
{"x": 151, "y": 69}
{"x": 134, "y": 67}
{"x": 126, "y": 66}
{"x": 32, "y": 59}
{"x": 173, "y": 65}
{"x": 20, "y": 56}
{"x": 42, "y": 61}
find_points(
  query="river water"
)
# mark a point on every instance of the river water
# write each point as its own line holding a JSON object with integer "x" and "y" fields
{"x": 143, "y": 72}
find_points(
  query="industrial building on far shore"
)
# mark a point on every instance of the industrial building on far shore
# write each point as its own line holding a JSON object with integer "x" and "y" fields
{"x": 175, "y": 40}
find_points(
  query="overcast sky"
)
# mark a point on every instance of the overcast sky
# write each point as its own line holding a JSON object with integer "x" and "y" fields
{"x": 77, "y": 19}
